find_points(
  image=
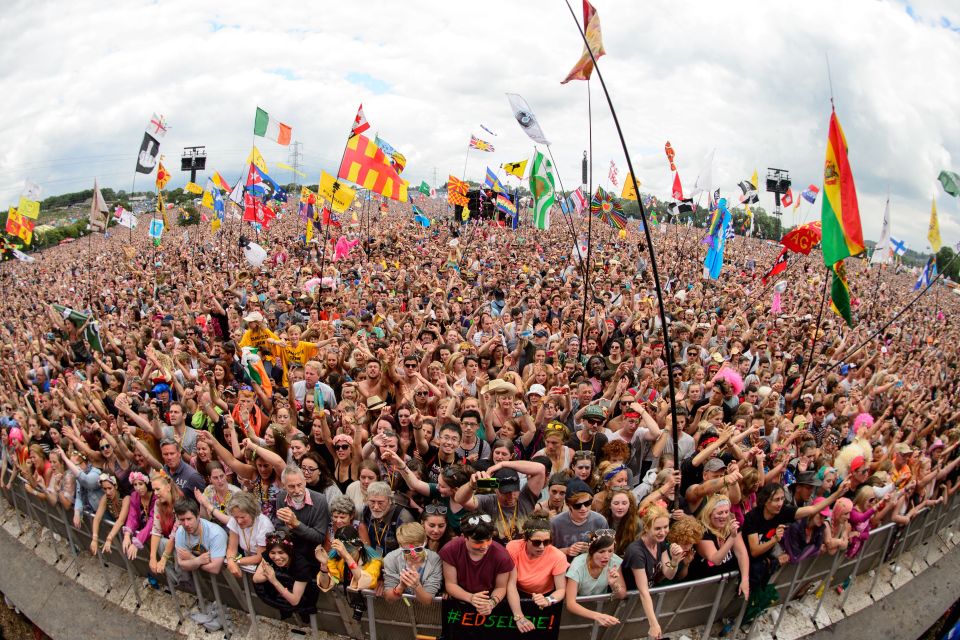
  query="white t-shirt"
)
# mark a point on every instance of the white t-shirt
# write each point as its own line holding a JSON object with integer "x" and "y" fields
{"x": 251, "y": 538}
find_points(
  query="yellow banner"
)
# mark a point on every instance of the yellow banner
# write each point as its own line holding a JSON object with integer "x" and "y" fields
{"x": 257, "y": 160}
{"x": 29, "y": 208}
{"x": 340, "y": 200}
{"x": 629, "y": 193}
{"x": 193, "y": 187}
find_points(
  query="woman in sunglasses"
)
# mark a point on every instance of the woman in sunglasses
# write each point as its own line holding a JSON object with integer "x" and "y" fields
{"x": 413, "y": 569}
{"x": 540, "y": 571}
{"x": 434, "y": 521}
{"x": 595, "y": 572}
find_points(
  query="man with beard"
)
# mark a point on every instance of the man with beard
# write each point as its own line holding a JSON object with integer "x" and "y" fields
{"x": 303, "y": 514}
{"x": 376, "y": 384}
{"x": 381, "y": 517}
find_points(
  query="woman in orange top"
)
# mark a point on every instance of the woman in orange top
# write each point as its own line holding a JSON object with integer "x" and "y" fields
{"x": 539, "y": 572}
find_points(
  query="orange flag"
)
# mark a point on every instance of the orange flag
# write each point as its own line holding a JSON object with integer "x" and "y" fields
{"x": 591, "y": 27}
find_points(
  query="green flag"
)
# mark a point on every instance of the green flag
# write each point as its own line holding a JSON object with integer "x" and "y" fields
{"x": 541, "y": 186}
{"x": 950, "y": 182}
{"x": 840, "y": 293}
{"x": 424, "y": 188}
{"x": 91, "y": 328}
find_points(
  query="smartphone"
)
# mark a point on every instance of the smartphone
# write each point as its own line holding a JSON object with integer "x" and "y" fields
{"x": 488, "y": 484}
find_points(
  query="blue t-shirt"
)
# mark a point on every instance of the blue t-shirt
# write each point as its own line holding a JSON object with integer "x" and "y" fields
{"x": 211, "y": 538}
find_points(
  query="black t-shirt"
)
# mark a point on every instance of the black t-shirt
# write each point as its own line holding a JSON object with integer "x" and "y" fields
{"x": 638, "y": 556}
{"x": 595, "y": 445}
{"x": 755, "y": 522}
{"x": 703, "y": 568}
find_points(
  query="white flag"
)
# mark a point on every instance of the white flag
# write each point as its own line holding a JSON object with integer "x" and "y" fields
{"x": 705, "y": 178}
{"x": 22, "y": 257}
{"x": 237, "y": 194}
{"x": 127, "y": 219}
{"x": 31, "y": 190}
{"x": 882, "y": 254}
{"x": 525, "y": 118}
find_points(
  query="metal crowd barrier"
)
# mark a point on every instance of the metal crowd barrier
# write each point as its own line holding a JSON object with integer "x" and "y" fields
{"x": 698, "y": 603}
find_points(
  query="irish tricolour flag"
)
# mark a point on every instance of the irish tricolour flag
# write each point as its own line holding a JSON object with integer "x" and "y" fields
{"x": 271, "y": 128}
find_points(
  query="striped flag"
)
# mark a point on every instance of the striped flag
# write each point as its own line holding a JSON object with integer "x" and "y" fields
{"x": 493, "y": 182}
{"x": 542, "y": 188}
{"x": 505, "y": 205}
{"x": 267, "y": 127}
{"x": 365, "y": 164}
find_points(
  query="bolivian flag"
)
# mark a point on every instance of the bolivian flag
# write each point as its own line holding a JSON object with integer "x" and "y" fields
{"x": 840, "y": 292}
{"x": 840, "y": 216}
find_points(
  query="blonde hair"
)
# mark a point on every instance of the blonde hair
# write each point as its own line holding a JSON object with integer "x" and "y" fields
{"x": 706, "y": 515}
{"x": 650, "y": 515}
{"x": 411, "y": 533}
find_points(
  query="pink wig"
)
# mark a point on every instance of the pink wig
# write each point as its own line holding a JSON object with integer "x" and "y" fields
{"x": 862, "y": 420}
{"x": 732, "y": 377}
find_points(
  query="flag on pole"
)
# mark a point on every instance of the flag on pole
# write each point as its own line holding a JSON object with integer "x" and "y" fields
{"x": 493, "y": 182}
{"x": 629, "y": 193}
{"x": 157, "y": 127}
{"x": 506, "y": 205}
{"x": 607, "y": 208}
{"x": 713, "y": 263}
{"x": 207, "y": 200}
{"x": 933, "y": 231}
{"x": 257, "y": 159}
{"x": 163, "y": 176}
{"x": 360, "y": 123}
{"x": 591, "y": 28}
{"x": 840, "y": 292}
{"x": 365, "y": 164}
{"x": 749, "y": 189}
{"x": 480, "y": 145}
{"x": 487, "y": 130}
{"x": 840, "y": 215}
{"x": 542, "y": 188}
{"x": 882, "y": 252}
{"x": 899, "y": 247}
{"x": 194, "y": 188}
{"x": 517, "y": 169}
{"x": 704, "y": 180}
{"x": 677, "y": 187}
{"x": 810, "y": 193}
{"x": 29, "y": 208}
{"x": 671, "y": 154}
{"x": 91, "y": 329}
{"x": 19, "y": 227}
{"x": 397, "y": 159}
{"x": 612, "y": 175}
{"x": 147, "y": 157}
{"x": 267, "y": 127}
{"x": 156, "y": 228}
{"x": 424, "y": 188}
{"x": 31, "y": 190}
{"x": 927, "y": 274}
{"x": 525, "y": 118}
{"x": 98, "y": 210}
{"x": 779, "y": 266}
{"x": 339, "y": 199}
{"x": 787, "y": 198}
{"x": 125, "y": 218}
{"x": 950, "y": 182}
{"x": 457, "y": 191}
{"x": 218, "y": 180}
{"x": 236, "y": 194}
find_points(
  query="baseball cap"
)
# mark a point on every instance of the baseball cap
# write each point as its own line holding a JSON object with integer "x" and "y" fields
{"x": 825, "y": 512}
{"x": 509, "y": 480}
{"x": 714, "y": 464}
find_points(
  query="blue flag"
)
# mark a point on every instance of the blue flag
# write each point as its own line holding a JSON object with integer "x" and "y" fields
{"x": 713, "y": 263}
{"x": 927, "y": 275}
{"x": 492, "y": 182}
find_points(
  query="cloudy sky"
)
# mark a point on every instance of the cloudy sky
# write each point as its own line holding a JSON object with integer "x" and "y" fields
{"x": 748, "y": 79}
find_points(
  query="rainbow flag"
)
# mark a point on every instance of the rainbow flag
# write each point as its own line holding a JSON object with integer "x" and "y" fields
{"x": 840, "y": 216}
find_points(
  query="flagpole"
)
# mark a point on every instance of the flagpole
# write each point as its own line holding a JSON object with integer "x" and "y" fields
{"x": 463, "y": 178}
{"x": 646, "y": 229}
{"x": 589, "y": 194}
{"x": 816, "y": 330}
{"x": 568, "y": 215}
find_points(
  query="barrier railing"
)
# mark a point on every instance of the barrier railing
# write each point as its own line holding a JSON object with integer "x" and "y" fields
{"x": 698, "y": 603}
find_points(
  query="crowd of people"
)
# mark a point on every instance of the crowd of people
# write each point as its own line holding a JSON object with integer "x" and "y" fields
{"x": 442, "y": 413}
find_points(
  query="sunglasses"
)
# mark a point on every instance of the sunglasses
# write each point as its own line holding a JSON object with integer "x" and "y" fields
{"x": 409, "y": 551}
{"x": 599, "y": 533}
{"x": 104, "y": 447}
{"x": 435, "y": 509}
{"x": 475, "y": 520}
{"x": 341, "y": 447}
{"x": 540, "y": 543}
{"x": 582, "y": 505}
{"x": 423, "y": 393}
{"x": 310, "y": 469}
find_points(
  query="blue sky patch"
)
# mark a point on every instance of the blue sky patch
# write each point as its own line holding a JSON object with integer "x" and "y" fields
{"x": 368, "y": 82}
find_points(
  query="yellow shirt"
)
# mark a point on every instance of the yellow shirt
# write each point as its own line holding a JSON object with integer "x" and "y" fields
{"x": 300, "y": 354}
{"x": 257, "y": 337}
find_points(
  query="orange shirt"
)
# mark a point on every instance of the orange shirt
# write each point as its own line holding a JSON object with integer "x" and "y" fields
{"x": 536, "y": 575}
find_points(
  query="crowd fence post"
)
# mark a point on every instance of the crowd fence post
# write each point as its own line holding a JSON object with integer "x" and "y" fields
{"x": 248, "y": 600}
{"x": 825, "y": 585}
{"x": 880, "y": 558}
{"x": 225, "y": 623}
{"x": 371, "y": 614}
{"x": 134, "y": 578}
{"x": 12, "y": 498}
{"x": 173, "y": 593}
{"x": 413, "y": 619}
{"x": 631, "y": 602}
{"x": 595, "y": 627}
{"x": 715, "y": 607}
{"x": 902, "y": 547}
{"x": 921, "y": 538}
{"x": 790, "y": 589}
{"x": 67, "y": 528}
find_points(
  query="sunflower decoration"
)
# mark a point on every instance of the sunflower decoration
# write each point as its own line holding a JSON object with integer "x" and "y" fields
{"x": 606, "y": 207}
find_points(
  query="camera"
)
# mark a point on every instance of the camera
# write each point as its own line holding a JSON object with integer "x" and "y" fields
{"x": 487, "y": 485}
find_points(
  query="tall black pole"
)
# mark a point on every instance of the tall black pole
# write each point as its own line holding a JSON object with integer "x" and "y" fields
{"x": 653, "y": 256}
{"x": 816, "y": 330}
{"x": 589, "y": 195}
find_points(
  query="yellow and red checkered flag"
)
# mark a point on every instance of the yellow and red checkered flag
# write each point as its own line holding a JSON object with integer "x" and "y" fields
{"x": 19, "y": 226}
{"x": 457, "y": 191}
{"x": 365, "y": 164}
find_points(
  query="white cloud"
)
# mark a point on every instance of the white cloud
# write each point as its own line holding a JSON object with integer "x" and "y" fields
{"x": 746, "y": 78}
